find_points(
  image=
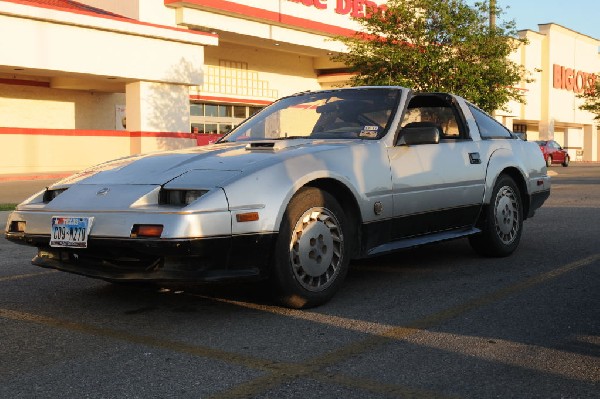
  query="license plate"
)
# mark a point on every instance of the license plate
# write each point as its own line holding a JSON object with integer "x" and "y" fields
{"x": 70, "y": 231}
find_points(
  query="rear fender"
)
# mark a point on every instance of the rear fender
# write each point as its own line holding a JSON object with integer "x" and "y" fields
{"x": 502, "y": 161}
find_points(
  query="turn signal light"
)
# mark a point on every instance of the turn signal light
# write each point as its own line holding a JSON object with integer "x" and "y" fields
{"x": 146, "y": 230}
{"x": 247, "y": 217}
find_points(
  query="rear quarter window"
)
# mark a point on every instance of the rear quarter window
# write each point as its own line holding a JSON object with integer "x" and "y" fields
{"x": 489, "y": 128}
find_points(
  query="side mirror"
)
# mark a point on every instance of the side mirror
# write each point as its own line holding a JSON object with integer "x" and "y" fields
{"x": 419, "y": 135}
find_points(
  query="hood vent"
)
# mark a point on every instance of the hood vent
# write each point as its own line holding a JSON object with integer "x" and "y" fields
{"x": 275, "y": 145}
{"x": 261, "y": 146}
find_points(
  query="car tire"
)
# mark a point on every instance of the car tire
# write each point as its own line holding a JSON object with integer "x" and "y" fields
{"x": 549, "y": 161}
{"x": 502, "y": 221}
{"x": 311, "y": 252}
{"x": 566, "y": 161}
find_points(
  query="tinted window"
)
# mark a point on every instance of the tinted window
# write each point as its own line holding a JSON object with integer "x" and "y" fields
{"x": 489, "y": 128}
{"x": 434, "y": 109}
{"x": 333, "y": 114}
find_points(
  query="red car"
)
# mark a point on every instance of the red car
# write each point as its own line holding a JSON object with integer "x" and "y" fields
{"x": 553, "y": 153}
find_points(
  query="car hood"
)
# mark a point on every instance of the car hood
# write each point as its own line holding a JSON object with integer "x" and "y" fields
{"x": 160, "y": 168}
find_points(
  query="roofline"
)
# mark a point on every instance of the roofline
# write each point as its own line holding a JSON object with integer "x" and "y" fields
{"x": 569, "y": 29}
{"x": 43, "y": 12}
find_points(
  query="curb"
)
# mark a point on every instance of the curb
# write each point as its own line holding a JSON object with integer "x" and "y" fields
{"x": 3, "y": 220}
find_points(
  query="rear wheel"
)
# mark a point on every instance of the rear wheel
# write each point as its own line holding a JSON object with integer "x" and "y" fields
{"x": 502, "y": 221}
{"x": 566, "y": 161}
{"x": 549, "y": 161}
{"x": 311, "y": 255}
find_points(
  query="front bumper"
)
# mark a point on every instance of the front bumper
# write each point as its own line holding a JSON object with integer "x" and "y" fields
{"x": 160, "y": 260}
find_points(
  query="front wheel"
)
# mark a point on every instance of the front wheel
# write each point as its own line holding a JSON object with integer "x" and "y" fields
{"x": 566, "y": 161}
{"x": 311, "y": 255}
{"x": 502, "y": 221}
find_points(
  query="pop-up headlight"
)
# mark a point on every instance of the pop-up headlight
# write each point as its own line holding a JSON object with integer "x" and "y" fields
{"x": 50, "y": 194}
{"x": 179, "y": 197}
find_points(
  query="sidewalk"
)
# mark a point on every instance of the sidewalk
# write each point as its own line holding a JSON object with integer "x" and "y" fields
{"x": 34, "y": 176}
{"x": 16, "y": 188}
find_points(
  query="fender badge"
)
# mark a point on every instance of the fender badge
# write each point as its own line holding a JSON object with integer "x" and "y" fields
{"x": 104, "y": 191}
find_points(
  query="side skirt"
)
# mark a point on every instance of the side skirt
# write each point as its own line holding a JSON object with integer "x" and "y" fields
{"x": 421, "y": 240}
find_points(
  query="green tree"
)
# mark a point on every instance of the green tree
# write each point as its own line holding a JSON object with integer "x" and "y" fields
{"x": 437, "y": 45}
{"x": 592, "y": 99}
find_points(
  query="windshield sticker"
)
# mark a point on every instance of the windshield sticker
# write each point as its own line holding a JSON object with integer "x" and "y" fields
{"x": 369, "y": 132}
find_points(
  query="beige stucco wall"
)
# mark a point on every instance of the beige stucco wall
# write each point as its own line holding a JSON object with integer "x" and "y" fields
{"x": 90, "y": 65}
{"x": 532, "y": 59}
{"x": 55, "y": 153}
{"x": 152, "y": 11}
{"x": 284, "y": 72}
{"x": 571, "y": 50}
{"x": 41, "y": 107}
{"x": 551, "y": 112}
{"x": 157, "y": 107}
{"x": 51, "y": 47}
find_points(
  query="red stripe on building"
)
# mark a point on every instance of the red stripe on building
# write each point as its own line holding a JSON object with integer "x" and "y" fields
{"x": 315, "y": 26}
{"x": 23, "y": 82}
{"x": 93, "y": 133}
{"x": 233, "y": 100}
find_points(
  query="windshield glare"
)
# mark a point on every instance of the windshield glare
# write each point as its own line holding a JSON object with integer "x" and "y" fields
{"x": 337, "y": 114}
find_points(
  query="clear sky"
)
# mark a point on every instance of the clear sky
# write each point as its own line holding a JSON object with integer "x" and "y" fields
{"x": 579, "y": 15}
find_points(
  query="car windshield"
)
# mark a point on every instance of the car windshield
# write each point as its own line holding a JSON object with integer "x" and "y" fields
{"x": 337, "y": 114}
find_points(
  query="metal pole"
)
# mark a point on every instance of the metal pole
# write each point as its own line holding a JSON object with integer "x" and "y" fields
{"x": 492, "y": 14}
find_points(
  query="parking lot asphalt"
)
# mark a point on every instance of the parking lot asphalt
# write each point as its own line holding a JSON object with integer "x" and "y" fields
{"x": 433, "y": 322}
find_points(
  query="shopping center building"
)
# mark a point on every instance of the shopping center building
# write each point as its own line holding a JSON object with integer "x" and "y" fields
{"x": 87, "y": 81}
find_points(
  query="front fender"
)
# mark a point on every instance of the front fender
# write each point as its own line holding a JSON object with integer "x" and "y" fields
{"x": 362, "y": 169}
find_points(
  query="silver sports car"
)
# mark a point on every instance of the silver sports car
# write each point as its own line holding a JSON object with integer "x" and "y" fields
{"x": 293, "y": 194}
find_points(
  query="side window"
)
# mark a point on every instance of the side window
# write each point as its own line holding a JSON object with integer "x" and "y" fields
{"x": 489, "y": 128}
{"x": 428, "y": 109}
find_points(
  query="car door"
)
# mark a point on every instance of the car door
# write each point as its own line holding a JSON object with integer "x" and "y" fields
{"x": 558, "y": 155}
{"x": 435, "y": 187}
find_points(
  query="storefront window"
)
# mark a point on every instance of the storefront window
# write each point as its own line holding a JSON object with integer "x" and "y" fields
{"x": 197, "y": 128}
{"x": 254, "y": 110}
{"x": 520, "y": 128}
{"x": 223, "y": 129}
{"x": 225, "y": 111}
{"x": 211, "y": 110}
{"x": 218, "y": 118}
{"x": 196, "y": 109}
{"x": 211, "y": 128}
{"x": 239, "y": 111}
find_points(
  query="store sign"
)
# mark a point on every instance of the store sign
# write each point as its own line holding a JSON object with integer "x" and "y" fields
{"x": 573, "y": 80}
{"x": 356, "y": 8}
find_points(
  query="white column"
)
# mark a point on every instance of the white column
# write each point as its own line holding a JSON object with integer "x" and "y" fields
{"x": 157, "y": 107}
{"x": 591, "y": 151}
